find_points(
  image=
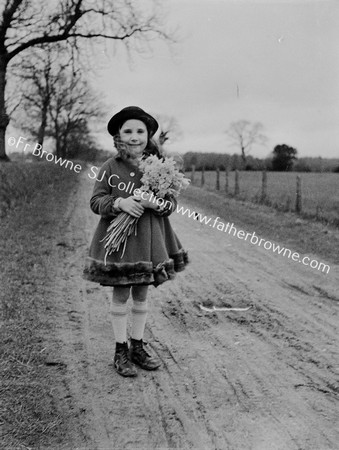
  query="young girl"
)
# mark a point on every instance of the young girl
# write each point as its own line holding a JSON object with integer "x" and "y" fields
{"x": 150, "y": 257}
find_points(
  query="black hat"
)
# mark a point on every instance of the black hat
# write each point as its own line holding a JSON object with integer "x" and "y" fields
{"x": 132, "y": 112}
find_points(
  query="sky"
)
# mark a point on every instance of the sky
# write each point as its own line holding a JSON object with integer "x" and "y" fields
{"x": 268, "y": 61}
{"x": 274, "y": 62}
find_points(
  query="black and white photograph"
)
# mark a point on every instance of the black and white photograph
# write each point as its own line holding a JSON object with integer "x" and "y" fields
{"x": 169, "y": 224}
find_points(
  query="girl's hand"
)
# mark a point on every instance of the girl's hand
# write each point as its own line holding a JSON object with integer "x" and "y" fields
{"x": 145, "y": 201}
{"x": 131, "y": 206}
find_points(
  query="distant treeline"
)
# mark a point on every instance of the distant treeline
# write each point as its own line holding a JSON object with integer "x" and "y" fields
{"x": 211, "y": 161}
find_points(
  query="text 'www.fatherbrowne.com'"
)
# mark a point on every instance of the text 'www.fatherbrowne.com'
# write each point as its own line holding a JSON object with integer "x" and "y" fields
{"x": 253, "y": 239}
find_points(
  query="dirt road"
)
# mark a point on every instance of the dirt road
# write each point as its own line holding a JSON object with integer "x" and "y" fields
{"x": 260, "y": 379}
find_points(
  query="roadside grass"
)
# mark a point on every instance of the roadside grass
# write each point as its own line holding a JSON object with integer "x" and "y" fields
{"x": 32, "y": 199}
{"x": 306, "y": 236}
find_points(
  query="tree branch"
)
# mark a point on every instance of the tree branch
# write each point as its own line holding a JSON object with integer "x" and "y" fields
{"x": 58, "y": 38}
{"x": 7, "y": 16}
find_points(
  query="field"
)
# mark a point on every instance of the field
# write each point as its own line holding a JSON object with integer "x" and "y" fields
{"x": 320, "y": 191}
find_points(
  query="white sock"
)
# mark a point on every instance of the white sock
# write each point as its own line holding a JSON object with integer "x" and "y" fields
{"x": 139, "y": 316}
{"x": 119, "y": 321}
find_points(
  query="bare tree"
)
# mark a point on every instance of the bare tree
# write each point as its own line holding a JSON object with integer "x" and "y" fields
{"x": 38, "y": 73}
{"x": 244, "y": 135}
{"x": 56, "y": 97}
{"x": 71, "y": 107}
{"x": 170, "y": 130}
{"x": 29, "y": 23}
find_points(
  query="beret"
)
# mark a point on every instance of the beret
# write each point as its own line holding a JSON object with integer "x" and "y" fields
{"x": 132, "y": 112}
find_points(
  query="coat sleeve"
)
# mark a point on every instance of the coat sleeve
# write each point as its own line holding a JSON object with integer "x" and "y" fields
{"x": 169, "y": 208}
{"x": 102, "y": 199}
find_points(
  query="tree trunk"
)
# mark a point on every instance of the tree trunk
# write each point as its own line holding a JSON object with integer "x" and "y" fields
{"x": 43, "y": 124}
{"x": 4, "y": 119}
{"x": 57, "y": 142}
{"x": 193, "y": 174}
{"x": 243, "y": 156}
{"x": 64, "y": 145}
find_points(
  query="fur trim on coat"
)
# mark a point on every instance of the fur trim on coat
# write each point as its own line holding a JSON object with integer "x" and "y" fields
{"x": 129, "y": 274}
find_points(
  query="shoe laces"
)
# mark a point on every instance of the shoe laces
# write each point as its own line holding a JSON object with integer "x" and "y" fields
{"x": 142, "y": 351}
{"x": 123, "y": 355}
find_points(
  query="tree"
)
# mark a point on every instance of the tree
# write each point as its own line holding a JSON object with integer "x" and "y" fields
{"x": 39, "y": 73}
{"x": 28, "y": 23}
{"x": 57, "y": 101}
{"x": 283, "y": 157}
{"x": 170, "y": 130}
{"x": 80, "y": 143}
{"x": 302, "y": 166}
{"x": 244, "y": 135}
{"x": 72, "y": 105}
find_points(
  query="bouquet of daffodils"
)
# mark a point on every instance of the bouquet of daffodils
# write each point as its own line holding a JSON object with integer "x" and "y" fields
{"x": 160, "y": 177}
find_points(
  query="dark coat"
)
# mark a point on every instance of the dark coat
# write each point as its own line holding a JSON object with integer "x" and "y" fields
{"x": 152, "y": 256}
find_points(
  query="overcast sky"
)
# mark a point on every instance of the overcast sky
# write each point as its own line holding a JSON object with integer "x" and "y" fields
{"x": 269, "y": 61}
{"x": 282, "y": 55}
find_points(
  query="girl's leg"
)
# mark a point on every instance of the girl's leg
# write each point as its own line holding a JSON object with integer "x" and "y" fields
{"x": 139, "y": 311}
{"x": 138, "y": 354}
{"x": 119, "y": 313}
{"x": 122, "y": 362}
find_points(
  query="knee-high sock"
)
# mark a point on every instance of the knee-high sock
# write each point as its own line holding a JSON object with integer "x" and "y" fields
{"x": 118, "y": 312}
{"x": 139, "y": 311}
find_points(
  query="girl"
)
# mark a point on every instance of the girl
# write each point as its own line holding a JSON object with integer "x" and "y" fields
{"x": 151, "y": 257}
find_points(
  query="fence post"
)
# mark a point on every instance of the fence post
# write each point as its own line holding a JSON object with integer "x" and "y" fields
{"x": 202, "y": 176}
{"x": 217, "y": 182}
{"x": 298, "y": 201}
{"x": 227, "y": 180}
{"x": 264, "y": 186}
{"x": 236, "y": 186}
{"x": 193, "y": 174}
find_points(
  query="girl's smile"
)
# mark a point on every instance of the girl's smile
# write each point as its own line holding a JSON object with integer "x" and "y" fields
{"x": 134, "y": 133}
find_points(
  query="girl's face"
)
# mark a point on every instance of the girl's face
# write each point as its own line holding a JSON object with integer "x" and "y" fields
{"x": 134, "y": 133}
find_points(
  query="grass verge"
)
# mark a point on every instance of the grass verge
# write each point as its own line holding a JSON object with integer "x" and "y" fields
{"x": 36, "y": 196}
{"x": 288, "y": 229}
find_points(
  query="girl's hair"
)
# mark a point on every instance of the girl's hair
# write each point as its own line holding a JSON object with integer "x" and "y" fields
{"x": 123, "y": 151}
